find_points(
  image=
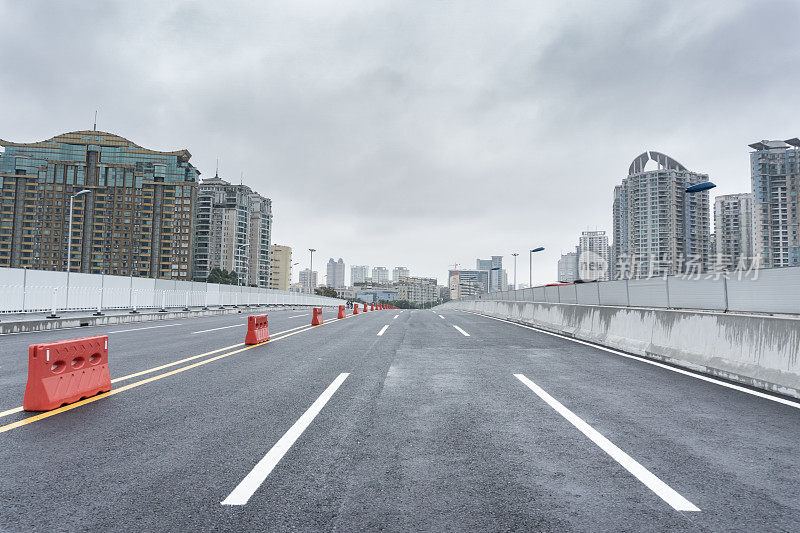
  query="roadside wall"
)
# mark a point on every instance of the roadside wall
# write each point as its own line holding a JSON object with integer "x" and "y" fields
{"x": 761, "y": 351}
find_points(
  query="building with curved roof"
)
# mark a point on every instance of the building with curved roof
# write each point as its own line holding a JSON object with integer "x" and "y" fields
{"x": 659, "y": 229}
{"x": 135, "y": 220}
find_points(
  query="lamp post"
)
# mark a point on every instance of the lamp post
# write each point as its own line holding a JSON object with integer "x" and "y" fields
{"x": 69, "y": 238}
{"x": 530, "y": 264}
{"x": 700, "y": 187}
{"x": 515, "y": 270}
{"x": 489, "y": 279}
{"x": 311, "y": 270}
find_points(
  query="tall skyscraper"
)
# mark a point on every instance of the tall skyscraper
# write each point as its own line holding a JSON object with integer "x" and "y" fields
{"x": 495, "y": 276}
{"x": 775, "y": 177}
{"x": 733, "y": 231}
{"x": 308, "y": 281}
{"x": 400, "y": 272}
{"x": 380, "y": 274}
{"x": 358, "y": 274}
{"x": 335, "y": 277}
{"x": 568, "y": 267}
{"x": 135, "y": 219}
{"x": 659, "y": 228}
{"x": 233, "y": 231}
{"x": 280, "y": 268}
{"x": 594, "y": 256}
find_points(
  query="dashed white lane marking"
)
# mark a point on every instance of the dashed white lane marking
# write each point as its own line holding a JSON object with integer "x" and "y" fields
{"x": 440, "y": 316}
{"x": 652, "y": 482}
{"x": 148, "y": 327}
{"x": 739, "y": 388}
{"x": 298, "y": 316}
{"x": 461, "y": 331}
{"x": 383, "y": 329}
{"x": 395, "y": 316}
{"x": 215, "y": 329}
{"x": 247, "y": 487}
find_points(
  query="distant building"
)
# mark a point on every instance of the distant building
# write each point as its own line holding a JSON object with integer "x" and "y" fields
{"x": 232, "y": 231}
{"x": 308, "y": 281}
{"x": 733, "y": 231}
{"x": 335, "y": 277}
{"x": 346, "y": 293}
{"x": 775, "y": 178}
{"x": 495, "y": 268}
{"x": 568, "y": 267}
{"x": 376, "y": 295}
{"x": 466, "y": 283}
{"x": 135, "y": 220}
{"x": 594, "y": 256}
{"x": 400, "y": 272}
{"x": 659, "y": 229}
{"x": 358, "y": 274}
{"x": 418, "y": 290}
{"x": 280, "y": 272}
{"x": 380, "y": 274}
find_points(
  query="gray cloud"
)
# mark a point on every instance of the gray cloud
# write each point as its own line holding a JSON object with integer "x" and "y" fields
{"x": 416, "y": 133}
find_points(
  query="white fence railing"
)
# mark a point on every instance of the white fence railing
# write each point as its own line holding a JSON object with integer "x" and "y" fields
{"x": 773, "y": 290}
{"x": 23, "y": 290}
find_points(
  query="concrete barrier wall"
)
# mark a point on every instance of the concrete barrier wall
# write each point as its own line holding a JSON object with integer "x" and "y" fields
{"x": 761, "y": 351}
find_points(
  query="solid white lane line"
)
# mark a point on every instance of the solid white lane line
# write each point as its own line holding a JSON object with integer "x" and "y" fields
{"x": 215, "y": 329}
{"x": 641, "y": 359}
{"x": 440, "y": 316}
{"x": 383, "y": 329}
{"x": 140, "y": 329}
{"x": 298, "y": 316}
{"x": 461, "y": 330}
{"x": 395, "y": 316}
{"x": 662, "y": 490}
{"x": 247, "y": 487}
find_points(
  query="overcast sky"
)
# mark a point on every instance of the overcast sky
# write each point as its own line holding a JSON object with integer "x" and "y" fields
{"x": 415, "y": 133}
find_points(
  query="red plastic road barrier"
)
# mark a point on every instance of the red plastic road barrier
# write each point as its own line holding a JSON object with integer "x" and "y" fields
{"x": 66, "y": 371}
{"x": 355, "y": 309}
{"x": 341, "y": 312}
{"x": 371, "y": 307}
{"x": 365, "y": 308}
{"x": 317, "y": 319}
{"x": 257, "y": 329}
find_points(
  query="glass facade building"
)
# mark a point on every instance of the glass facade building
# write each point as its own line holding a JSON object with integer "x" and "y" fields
{"x": 136, "y": 219}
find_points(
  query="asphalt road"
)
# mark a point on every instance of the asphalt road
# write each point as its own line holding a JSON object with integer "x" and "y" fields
{"x": 438, "y": 422}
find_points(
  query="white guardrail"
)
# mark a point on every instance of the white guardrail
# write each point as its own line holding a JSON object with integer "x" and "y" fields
{"x": 24, "y": 290}
{"x": 769, "y": 290}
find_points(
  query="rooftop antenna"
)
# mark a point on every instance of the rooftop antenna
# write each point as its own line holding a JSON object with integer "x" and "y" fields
{"x": 241, "y": 178}
{"x": 216, "y": 174}
{"x": 94, "y": 128}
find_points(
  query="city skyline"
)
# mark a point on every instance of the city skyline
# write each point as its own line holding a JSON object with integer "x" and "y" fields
{"x": 570, "y": 87}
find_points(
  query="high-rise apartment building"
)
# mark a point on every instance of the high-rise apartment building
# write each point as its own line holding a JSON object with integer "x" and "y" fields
{"x": 232, "y": 231}
{"x": 418, "y": 290}
{"x": 594, "y": 256}
{"x": 400, "y": 272}
{"x": 495, "y": 268}
{"x": 308, "y": 281}
{"x": 659, "y": 228}
{"x": 280, "y": 267}
{"x": 464, "y": 283}
{"x": 733, "y": 231}
{"x": 380, "y": 275}
{"x": 568, "y": 267}
{"x": 358, "y": 274}
{"x": 134, "y": 219}
{"x": 335, "y": 277}
{"x": 775, "y": 178}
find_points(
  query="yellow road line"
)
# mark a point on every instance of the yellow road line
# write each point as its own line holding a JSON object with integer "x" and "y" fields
{"x": 65, "y": 408}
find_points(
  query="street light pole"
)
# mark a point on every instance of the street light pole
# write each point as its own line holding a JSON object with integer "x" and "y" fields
{"x": 530, "y": 264}
{"x": 69, "y": 237}
{"x": 311, "y": 269}
{"x": 515, "y": 270}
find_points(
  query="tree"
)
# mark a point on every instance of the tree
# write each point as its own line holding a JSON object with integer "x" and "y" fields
{"x": 330, "y": 292}
{"x": 222, "y": 276}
